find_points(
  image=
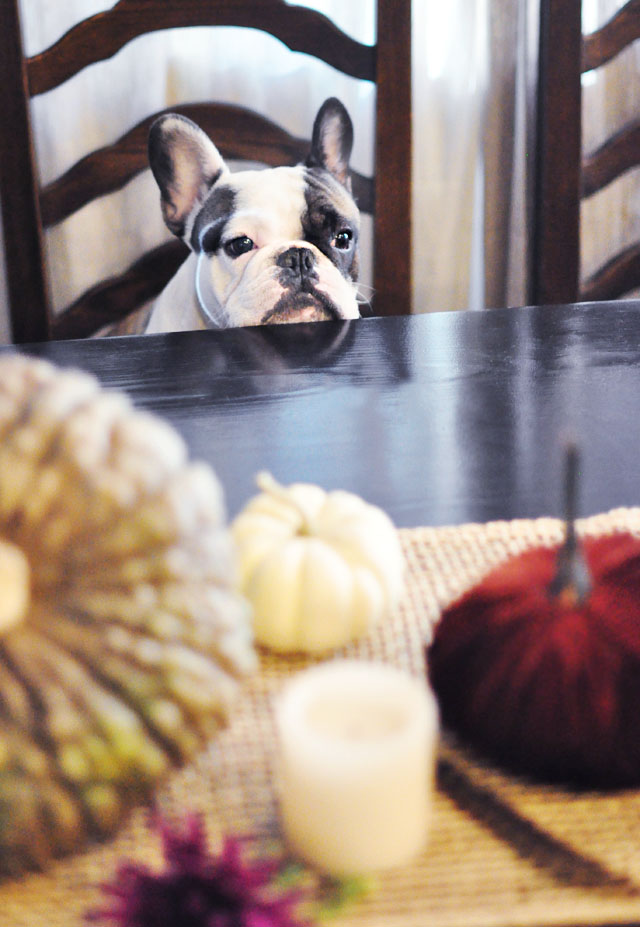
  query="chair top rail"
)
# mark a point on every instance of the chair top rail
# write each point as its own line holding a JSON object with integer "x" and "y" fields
{"x": 100, "y": 36}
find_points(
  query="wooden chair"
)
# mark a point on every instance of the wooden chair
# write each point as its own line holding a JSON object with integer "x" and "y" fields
{"x": 565, "y": 175}
{"x": 239, "y": 133}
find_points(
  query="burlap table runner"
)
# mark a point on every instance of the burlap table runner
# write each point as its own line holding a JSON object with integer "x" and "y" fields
{"x": 503, "y": 851}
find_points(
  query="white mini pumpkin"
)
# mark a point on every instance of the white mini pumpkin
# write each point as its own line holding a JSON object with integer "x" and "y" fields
{"x": 319, "y": 568}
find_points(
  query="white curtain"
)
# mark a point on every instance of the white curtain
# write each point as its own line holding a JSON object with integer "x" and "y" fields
{"x": 474, "y": 101}
{"x": 474, "y": 89}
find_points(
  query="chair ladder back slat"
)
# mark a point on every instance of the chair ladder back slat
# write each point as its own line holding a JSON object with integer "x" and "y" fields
{"x": 614, "y": 157}
{"x": 605, "y": 43}
{"x": 615, "y": 278}
{"x": 100, "y": 36}
{"x": 111, "y": 300}
{"x": 240, "y": 134}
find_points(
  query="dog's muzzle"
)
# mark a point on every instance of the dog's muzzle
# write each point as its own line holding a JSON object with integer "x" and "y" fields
{"x": 301, "y": 301}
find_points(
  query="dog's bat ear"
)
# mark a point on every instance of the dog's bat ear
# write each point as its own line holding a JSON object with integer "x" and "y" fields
{"x": 332, "y": 140}
{"x": 185, "y": 164}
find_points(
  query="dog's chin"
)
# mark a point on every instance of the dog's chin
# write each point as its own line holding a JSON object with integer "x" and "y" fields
{"x": 302, "y": 307}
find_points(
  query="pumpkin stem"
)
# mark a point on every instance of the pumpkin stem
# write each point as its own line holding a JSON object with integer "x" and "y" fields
{"x": 267, "y": 483}
{"x": 14, "y": 585}
{"x": 571, "y": 584}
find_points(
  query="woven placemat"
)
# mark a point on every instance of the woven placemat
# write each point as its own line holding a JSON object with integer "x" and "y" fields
{"x": 503, "y": 851}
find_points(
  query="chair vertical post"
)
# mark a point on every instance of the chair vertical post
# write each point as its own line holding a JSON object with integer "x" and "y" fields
{"x": 555, "y": 263}
{"x": 26, "y": 281}
{"x": 393, "y": 160}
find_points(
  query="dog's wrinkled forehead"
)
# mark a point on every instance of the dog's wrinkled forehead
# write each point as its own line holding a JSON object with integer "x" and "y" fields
{"x": 280, "y": 203}
{"x": 267, "y": 203}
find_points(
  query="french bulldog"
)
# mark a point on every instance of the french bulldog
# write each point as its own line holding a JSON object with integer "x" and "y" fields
{"x": 272, "y": 245}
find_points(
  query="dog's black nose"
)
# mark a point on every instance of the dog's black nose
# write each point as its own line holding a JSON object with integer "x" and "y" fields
{"x": 297, "y": 262}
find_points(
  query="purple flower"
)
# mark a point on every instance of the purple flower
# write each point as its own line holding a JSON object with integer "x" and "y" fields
{"x": 198, "y": 889}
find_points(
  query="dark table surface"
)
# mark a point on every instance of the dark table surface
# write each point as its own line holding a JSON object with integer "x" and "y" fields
{"x": 440, "y": 419}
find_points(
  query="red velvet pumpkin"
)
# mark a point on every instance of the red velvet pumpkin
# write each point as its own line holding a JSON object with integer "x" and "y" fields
{"x": 542, "y": 685}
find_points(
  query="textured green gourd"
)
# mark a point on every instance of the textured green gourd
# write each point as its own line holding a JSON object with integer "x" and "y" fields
{"x": 122, "y": 639}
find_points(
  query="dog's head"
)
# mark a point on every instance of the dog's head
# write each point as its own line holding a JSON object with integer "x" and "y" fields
{"x": 273, "y": 245}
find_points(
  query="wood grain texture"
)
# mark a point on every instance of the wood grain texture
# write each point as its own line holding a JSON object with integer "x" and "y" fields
{"x": 605, "y": 43}
{"x": 444, "y": 418}
{"x": 102, "y": 35}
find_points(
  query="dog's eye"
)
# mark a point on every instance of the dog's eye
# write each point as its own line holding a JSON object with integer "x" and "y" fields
{"x": 343, "y": 239}
{"x": 238, "y": 246}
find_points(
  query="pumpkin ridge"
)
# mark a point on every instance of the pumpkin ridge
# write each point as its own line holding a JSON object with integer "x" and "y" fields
{"x": 115, "y": 688}
{"x": 39, "y": 739}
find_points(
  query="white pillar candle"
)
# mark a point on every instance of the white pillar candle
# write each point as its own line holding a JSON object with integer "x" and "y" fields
{"x": 357, "y": 745}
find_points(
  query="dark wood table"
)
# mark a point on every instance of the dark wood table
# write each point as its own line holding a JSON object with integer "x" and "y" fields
{"x": 440, "y": 419}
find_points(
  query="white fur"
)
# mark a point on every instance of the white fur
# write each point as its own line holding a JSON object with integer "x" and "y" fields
{"x": 242, "y": 290}
{"x": 270, "y": 282}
